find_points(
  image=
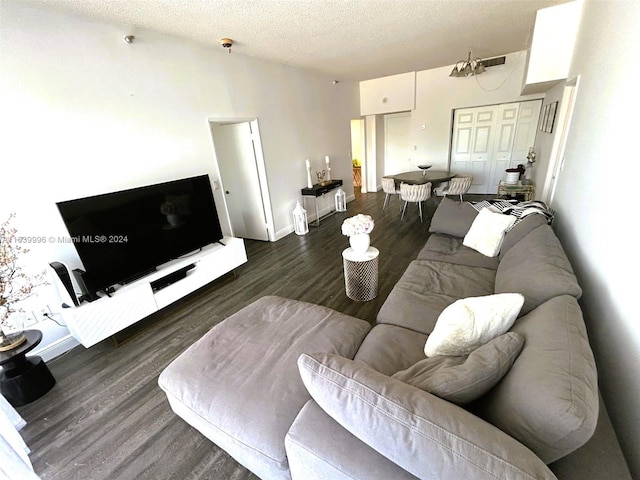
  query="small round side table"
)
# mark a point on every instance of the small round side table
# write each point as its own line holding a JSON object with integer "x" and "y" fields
{"x": 361, "y": 274}
{"x": 22, "y": 379}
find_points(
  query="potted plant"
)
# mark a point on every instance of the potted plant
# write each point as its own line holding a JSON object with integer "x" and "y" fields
{"x": 358, "y": 228}
{"x": 15, "y": 286}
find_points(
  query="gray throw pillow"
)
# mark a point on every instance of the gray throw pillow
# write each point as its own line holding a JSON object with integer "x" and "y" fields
{"x": 426, "y": 435}
{"x": 538, "y": 268}
{"x": 453, "y": 218}
{"x": 462, "y": 380}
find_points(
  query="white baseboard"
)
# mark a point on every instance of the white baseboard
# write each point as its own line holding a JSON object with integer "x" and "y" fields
{"x": 54, "y": 349}
{"x": 311, "y": 217}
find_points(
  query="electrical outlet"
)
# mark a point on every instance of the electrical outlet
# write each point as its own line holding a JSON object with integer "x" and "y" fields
{"x": 42, "y": 314}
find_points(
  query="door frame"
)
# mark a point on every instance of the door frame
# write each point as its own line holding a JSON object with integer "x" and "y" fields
{"x": 261, "y": 168}
{"x": 556, "y": 158}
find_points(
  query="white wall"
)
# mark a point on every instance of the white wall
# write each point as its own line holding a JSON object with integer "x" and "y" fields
{"x": 596, "y": 200}
{"x": 545, "y": 142}
{"x": 84, "y": 113}
{"x": 437, "y": 95}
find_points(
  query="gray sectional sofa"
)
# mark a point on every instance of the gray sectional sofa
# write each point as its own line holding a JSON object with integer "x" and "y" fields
{"x": 293, "y": 390}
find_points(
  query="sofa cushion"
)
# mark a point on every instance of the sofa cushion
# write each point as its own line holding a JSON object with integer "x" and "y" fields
{"x": 520, "y": 230}
{"x": 464, "y": 379}
{"x": 452, "y": 218}
{"x": 471, "y": 322}
{"x": 538, "y": 268}
{"x": 427, "y": 287}
{"x": 427, "y": 436}
{"x": 239, "y": 384}
{"x": 549, "y": 398}
{"x": 319, "y": 448}
{"x": 389, "y": 348}
{"x": 446, "y": 248}
{"x": 487, "y": 232}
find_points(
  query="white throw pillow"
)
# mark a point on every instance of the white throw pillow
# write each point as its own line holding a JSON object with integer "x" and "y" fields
{"x": 487, "y": 232}
{"x": 471, "y": 322}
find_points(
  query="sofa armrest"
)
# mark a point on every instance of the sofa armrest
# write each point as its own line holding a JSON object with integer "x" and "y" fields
{"x": 425, "y": 435}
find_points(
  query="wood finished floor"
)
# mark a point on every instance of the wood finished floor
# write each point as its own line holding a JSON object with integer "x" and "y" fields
{"x": 106, "y": 418}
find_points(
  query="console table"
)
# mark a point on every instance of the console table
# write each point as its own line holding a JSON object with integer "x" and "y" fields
{"x": 22, "y": 379}
{"x": 320, "y": 189}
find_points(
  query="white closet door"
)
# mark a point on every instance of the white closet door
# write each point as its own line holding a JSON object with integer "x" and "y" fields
{"x": 526, "y": 131}
{"x": 473, "y": 142}
{"x": 505, "y": 135}
{"x": 488, "y": 140}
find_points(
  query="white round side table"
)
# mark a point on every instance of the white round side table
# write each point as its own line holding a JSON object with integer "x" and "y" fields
{"x": 361, "y": 274}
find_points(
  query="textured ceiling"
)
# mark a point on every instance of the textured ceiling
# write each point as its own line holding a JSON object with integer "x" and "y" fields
{"x": 347, "y": 39}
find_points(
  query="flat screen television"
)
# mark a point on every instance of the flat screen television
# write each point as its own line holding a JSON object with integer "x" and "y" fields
{"x": 123, "y": 235}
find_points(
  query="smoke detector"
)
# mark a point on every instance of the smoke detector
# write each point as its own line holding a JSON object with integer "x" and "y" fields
{"x": 226, "y": 43}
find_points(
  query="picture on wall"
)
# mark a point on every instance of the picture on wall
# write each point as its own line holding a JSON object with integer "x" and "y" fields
{"x": 551, "y": 117}
{"x": 543, "y": 117}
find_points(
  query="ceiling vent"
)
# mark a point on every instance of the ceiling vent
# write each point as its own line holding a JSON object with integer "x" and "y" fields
{"x": 492, "y": 62}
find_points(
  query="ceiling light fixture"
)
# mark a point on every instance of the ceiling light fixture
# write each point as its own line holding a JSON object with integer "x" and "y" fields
{"x": 226, "y": 43}
{"x": 129, "y": 39}
{"x": 468, "y": 67}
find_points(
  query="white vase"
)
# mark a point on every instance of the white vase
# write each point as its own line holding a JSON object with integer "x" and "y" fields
{"x": 360, "y": 242}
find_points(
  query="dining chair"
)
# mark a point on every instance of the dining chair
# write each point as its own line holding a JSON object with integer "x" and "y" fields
{"x": 458, "y": 185}
{"x": 389, "y": 188}
{"x": 414, "y": 194}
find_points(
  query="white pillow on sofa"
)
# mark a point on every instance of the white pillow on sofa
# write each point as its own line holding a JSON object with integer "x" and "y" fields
{"x": 487, "y": 232}
{"x": 471, "y": 322}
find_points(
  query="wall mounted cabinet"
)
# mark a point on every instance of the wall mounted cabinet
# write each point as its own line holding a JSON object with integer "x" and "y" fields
{"x": 554, "y": 37}
{"x": 395, "y": 93}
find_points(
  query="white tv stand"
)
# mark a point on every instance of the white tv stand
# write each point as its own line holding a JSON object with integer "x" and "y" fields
{"x": 92, "y": 322}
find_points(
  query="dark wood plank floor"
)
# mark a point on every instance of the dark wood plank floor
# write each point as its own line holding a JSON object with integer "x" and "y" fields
{"x": 106, "y": 418}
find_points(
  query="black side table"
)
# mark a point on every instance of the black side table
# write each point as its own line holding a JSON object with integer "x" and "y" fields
{"x": 22, "y": 379}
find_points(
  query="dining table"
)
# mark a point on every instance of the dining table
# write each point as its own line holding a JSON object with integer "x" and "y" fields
{"x": 419, "y": 177}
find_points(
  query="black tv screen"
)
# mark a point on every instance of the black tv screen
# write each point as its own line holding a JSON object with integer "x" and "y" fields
{"x": 123, "y": 235}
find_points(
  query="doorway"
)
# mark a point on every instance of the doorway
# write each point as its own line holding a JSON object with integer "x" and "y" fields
{"x": 556, "y": 163}
{"x": 243, "y": 178}
{"x": 357, "y": 152}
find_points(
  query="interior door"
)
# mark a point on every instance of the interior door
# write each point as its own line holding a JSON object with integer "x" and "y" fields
{"x": 526, "y": 131}
{"x": 236, "y": 156}
{"x": 472, "y": 145}
{"x": 487, "y": 140}
{"x": 397, "y": 157}
{"x": 503, "y": 148}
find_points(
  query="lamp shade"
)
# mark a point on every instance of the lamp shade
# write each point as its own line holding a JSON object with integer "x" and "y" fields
{"x": 300, "y": 223}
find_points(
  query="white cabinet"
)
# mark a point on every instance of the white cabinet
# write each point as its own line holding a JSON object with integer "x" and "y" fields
{"x": 92, "y": 322}
{"x": 395, "y": 93}
{"x": 552, "y": 45}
